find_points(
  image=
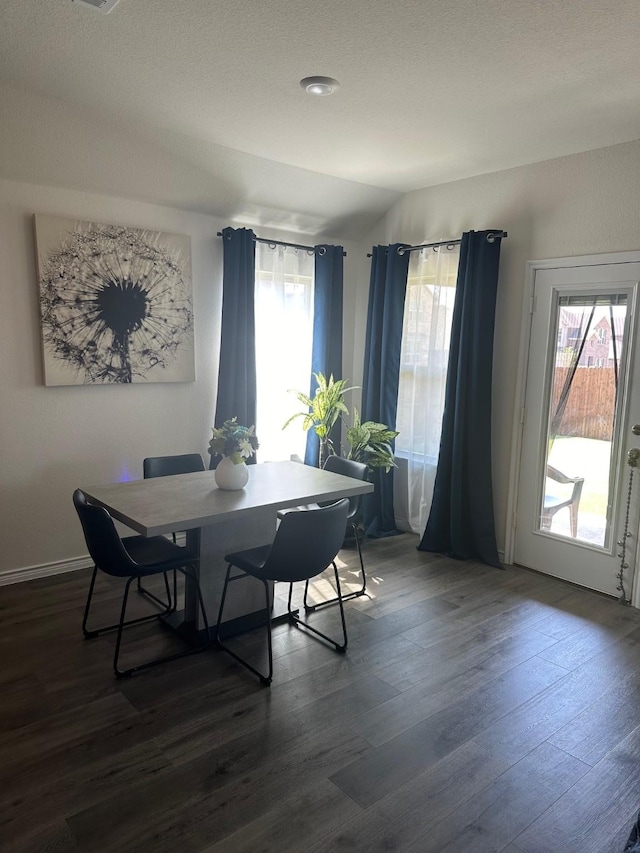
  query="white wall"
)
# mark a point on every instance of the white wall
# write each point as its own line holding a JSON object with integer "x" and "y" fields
{"x": 585, "y": 204}
{"x": 55, "y": 439}
{"x": 50, "y": 142}
{"x": 57, "y": 161}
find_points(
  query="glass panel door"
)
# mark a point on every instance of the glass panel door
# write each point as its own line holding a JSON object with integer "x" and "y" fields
{"x": 582, "y": 391}
{"x": 583, "y": 408}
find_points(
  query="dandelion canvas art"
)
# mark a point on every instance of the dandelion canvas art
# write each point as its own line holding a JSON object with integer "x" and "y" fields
{"x": 116, "y": 303}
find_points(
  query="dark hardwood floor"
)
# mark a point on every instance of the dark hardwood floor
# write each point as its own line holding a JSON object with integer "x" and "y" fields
{"x": 475, "y": 710}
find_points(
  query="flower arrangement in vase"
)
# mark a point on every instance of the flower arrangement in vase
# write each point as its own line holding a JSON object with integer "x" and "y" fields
{"x": 234, "y": 443}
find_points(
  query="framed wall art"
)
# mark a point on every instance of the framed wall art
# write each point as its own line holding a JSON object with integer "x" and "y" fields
{"x": 116, "y": 303}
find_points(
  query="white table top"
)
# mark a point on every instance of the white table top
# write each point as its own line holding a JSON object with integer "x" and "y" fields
{"x": 186, "y": 501}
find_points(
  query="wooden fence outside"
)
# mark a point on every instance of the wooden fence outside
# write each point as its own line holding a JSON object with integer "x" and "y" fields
{"x": 591, "y": 402}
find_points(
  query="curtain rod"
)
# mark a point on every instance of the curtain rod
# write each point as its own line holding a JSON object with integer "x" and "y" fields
{"x": 321, "y": 250}
{"x": 492, "y": 236}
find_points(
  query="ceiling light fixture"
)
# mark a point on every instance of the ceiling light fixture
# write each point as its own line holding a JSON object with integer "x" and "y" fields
{"x": 320, "y": 85}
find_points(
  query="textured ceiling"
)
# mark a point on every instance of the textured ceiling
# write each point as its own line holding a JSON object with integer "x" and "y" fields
{"x": 431, "y": 91}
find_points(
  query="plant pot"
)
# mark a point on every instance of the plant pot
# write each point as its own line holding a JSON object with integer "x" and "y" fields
{"x": 231, "y": 477}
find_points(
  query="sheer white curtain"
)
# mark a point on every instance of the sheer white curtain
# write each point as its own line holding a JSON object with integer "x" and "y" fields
{"x": 284, "y": 332}
{"x": 428, "y": 312}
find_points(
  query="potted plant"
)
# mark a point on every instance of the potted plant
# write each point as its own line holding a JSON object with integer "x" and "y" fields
{"x": 234, "y": 443}
{"x": 369, "y": 442}
{"x": 323, "y": 410}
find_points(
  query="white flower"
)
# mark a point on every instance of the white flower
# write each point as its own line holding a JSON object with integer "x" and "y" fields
{"x": 244, "y": 448}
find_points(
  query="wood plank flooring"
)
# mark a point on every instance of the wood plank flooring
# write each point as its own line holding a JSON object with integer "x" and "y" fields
{"x": 475, "y": 710}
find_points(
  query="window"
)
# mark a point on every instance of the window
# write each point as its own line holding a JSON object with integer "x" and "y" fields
{"x": 424, "y": 358}
{"x": 284, "y": 334}
{"x": 573, "y": 334}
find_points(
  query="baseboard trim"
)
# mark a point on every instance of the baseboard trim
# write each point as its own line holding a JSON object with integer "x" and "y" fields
{"x": 9, "y": 576}
{"x": 60, "y": 567}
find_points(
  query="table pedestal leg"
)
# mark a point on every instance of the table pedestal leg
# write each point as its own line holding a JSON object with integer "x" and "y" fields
{"x": 244, "y": 606}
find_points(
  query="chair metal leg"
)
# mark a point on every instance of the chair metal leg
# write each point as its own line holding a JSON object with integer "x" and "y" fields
{"x": 119, "y": 673}
{"x": 124, "y": 673}
{"x": 175, "y": 589}
{"x": 363, "y": 589}
{"x": 265, "y": 679}
{"x": 89, "y": 634}
{"x": 340, "y": 647}
{"x": 222, "y": 601}
{"x": 348, "y": 596}
{"x": 175, "y": 581}
{"x": 169, "y": 606}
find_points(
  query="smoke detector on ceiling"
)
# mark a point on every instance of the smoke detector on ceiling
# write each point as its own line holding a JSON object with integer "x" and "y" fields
{"x": 103, "y": 6}
{"x": 320, "y": 85}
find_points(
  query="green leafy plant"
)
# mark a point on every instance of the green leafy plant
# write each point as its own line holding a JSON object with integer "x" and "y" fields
{"x": 370, "y": 442}
{"x": 323, "y": 410}
{"x": 233, "y": 440}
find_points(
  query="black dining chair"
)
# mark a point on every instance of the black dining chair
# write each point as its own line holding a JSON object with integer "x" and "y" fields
{"x": 166, "y": 466}
{"x": 357, "y": 471}
{"x": 132, "y": 557}
{"x": 306, "y": 542}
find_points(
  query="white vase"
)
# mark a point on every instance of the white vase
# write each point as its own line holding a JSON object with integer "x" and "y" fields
{"x": 229, "y": 476}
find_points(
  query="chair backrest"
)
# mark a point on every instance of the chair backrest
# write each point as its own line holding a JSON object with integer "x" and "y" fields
{"x": 306, "y": 542}
{"x": 348, "y": 468}
{"x": 104, "y": 544}
{"x": 165, "y": 466}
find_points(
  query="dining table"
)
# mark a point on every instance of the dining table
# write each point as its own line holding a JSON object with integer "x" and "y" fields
{"x": 217, "y": 522}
